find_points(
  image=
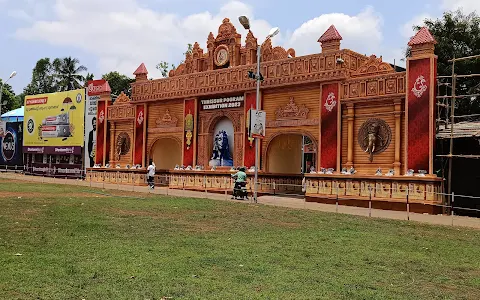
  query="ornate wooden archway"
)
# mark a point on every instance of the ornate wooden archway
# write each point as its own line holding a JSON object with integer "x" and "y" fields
{"x": 205, "y": 136}
{"x": 288, "y": 132}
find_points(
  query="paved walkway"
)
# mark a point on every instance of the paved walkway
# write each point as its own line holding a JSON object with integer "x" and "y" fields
{"x": 296, "y": 203}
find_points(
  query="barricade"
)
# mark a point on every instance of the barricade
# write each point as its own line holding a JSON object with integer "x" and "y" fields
{"x": 279, "y": 194}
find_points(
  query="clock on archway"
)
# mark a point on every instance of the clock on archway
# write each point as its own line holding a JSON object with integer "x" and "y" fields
{"x": 221, "y": 55}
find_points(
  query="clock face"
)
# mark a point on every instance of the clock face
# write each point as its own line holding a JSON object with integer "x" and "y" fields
{"x": 221, "y": 57}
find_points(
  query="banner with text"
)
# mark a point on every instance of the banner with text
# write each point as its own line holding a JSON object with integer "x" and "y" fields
{"x": 54, "y": 122}
{"x": 95, "y": 89}
{"x": 221, "y": 103}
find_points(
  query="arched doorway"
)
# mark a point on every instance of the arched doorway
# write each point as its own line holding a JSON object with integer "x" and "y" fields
{"x": 166, "y": 153}
{"x": 287, "y": 153}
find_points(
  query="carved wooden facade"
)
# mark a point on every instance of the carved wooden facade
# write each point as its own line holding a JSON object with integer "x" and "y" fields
{"x": 366, "y": 86}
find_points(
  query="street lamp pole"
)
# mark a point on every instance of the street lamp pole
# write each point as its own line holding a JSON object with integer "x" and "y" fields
{"x": 257, "y": 140}
{"x": 1, "y": 88}
{"x": 273, "y": 32}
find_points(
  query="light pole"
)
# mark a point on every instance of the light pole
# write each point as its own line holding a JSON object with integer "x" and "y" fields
{"x": 258, "y": 77}
{"x": 1, "y": 88}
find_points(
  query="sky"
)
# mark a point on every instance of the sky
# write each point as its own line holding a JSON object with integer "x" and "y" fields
{"x": 118, "y": 35}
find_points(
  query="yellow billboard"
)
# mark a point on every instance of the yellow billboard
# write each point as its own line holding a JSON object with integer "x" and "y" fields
{"x": 54, "y": 120}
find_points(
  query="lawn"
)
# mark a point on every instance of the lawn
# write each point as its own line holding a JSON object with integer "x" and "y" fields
{"x": 62, "y": 242}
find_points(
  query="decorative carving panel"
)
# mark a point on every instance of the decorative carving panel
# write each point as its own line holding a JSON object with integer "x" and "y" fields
{"x": 290, "y": 71}
{"x": 381, "y": 85}
{"x": 167, "y": 120}
{"x": 121, "y": 112}
{"x": 292, "y": 111}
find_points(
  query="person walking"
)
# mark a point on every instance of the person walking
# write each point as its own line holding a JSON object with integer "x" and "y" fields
{"x": 151, "y": 175}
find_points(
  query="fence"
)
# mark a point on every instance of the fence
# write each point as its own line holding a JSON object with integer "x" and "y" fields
{"x": 270, "y": 195}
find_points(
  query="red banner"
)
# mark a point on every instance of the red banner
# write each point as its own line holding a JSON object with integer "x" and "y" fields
{"x": 249, "y": 157}
{"x": 101, "y": 123}
{"x": 419, "y": 114}
{"x": 329, "y": 126}
{"x": 188, "y": 134}
{"x": 140, "y": 119}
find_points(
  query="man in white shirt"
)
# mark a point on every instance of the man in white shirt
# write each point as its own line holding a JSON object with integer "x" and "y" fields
{"x": 151, "y": 175}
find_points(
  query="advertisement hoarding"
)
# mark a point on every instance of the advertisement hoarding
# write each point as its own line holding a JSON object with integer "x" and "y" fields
{"x": 94, "y": 90}
{"x": 11, "y": 143}
{"x": 54, "y": 123}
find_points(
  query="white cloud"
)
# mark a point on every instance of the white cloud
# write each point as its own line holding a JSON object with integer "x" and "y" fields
{"x": 407, "y": 28}
{"x": 361, "y": 33}
{"x": 467, "y": 6}
{"x": 122, "y": 33}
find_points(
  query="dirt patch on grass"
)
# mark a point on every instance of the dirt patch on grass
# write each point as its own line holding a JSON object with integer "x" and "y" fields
{"x": 143, "y": 213}
{"x": 22, "y": 194}
{"x": 27, "y": 195}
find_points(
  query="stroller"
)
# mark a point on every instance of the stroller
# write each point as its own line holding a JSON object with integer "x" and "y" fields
{"x": 240, "y": 191}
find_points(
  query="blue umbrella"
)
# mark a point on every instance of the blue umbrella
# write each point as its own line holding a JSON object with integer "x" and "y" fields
{"x": 15, "y": 115}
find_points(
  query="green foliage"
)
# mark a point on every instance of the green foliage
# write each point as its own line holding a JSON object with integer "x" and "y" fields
{"x": 458, "y": 35}
{"x": 88, "y": 78}
{"x": 67, "y": 73}
{"x": 9, "y": 101}
{"x": 165, "y": 67}
{"x": 43, "y": 78}
{"x": 119, "y": 83}
{"x": 61, "y": 74}
{"x": 93, "y": 244}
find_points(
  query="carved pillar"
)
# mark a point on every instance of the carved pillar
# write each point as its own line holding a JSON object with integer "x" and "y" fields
{"x": 398, "y": 127}
{"x": 420, "y": 102}
{"x": 113, "y": 142}
{"x": 350, "y": 118}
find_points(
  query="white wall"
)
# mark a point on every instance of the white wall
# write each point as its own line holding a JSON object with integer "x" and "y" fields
{"x": 226, "y": 125}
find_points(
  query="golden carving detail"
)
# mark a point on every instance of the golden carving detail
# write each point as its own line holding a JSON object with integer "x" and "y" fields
{"x": 374, "y": 136}
{"x": 189, "y": 129}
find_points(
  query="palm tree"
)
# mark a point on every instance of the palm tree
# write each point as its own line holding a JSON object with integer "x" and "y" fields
{"x": 67, "y": 73}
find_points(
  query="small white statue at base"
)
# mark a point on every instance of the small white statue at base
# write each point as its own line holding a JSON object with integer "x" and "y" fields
{"x": 378, "y": 172}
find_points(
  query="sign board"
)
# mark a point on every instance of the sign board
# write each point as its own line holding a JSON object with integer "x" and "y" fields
{"x": 257, "y": 120}
{"x": 3, "y": 128}
{"x": 11, "y": 145}
{"x": 221, "y": 103}
{"x": 95, "y": 89}
{"x": 55, "y": 122}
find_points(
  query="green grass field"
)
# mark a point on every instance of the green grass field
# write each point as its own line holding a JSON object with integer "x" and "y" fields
{"x": 62, "y": 242}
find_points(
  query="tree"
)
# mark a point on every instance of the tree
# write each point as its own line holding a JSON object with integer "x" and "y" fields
{"x": 19, "y": 100}
{"x": 88, "y": 78}
{"x": 118, "y": 83}
{"x": 57, "y": 75}
{"x": 165, "y": 67}
{"x": 8, "y": 98}
{"x": 67, "y": 73}
{"x": 458, "y": 35}
{"x": 43, "y": 78}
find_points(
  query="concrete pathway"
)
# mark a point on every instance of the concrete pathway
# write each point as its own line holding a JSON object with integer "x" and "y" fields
{"x": 281, "y": 201}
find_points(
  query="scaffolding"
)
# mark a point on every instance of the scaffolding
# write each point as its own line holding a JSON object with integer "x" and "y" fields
{"x": 455, "y": 126}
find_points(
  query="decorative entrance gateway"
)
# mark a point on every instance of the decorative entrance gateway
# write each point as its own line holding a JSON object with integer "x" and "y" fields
{"x": 348, "y": 111}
